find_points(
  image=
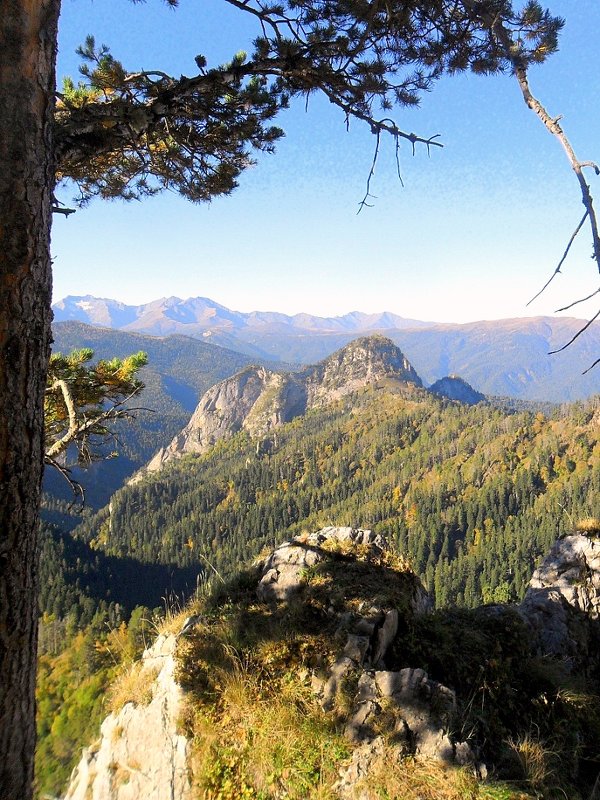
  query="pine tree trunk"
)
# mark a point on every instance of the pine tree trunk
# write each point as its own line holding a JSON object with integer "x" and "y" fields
{"x": 27, "y": 64}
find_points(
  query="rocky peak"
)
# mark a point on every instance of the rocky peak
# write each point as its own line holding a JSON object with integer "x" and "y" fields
{"x": 364, "y": 361}
{"x": 257, "y": 400}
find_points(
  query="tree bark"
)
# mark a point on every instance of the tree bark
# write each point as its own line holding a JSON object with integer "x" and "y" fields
{"x": 28, "y": 30}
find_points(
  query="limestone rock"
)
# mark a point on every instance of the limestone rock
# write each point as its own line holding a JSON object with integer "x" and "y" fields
{"x": 255, "y": 399}
{"x": 385, "y": 636}
{"x": 423, "y": 711}
{"x": 364, "y": 361}
{"x": 140, "y": 752}
{"x": 259, "y": 400}
{"x": 562, "y": 603}
{"x": 285, "y": 569}
{"x": 357, "y": 771}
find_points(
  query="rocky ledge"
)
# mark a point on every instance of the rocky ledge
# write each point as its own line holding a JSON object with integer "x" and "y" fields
{"x": 368, "y": 678}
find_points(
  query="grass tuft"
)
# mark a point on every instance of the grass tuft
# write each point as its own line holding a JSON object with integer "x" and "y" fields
{"x": 539, "y": 763}
{"x": 133, "y": 685}
{"x": 590, "y": 526}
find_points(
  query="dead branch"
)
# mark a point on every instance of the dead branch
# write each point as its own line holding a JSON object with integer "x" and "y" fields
{"x": 60, "y": 445}
{"x": 577, "y": 335}
{"x": 561, "y": 262}
{"x": 553, "y": 126}
{"x": 75, "y": 486}
{"x": 80, "y": 428}
{"x": 56, "y": 209}
{"x": 576, "y": 302}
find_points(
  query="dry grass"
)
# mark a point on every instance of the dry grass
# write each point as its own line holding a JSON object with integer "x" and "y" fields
{"x": 392, "y": 778}
{"x": 536, "y": 760}
{"x": 117, "y": 733}
{"x": 366, "y": 553}
{"x": 134, "y": 685}
{"x": 590, "y": 526}
{"x": 412, "y": 779}
{"x": 264, "y": 741}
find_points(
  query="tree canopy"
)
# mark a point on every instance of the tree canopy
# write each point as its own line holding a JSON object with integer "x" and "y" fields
{"x": 83, "y": 399}
{"x": 126, "y": 133}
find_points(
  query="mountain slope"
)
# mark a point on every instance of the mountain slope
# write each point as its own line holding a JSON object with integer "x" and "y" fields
{"x": 257, "y": 400}
{"x": 473, "y": 494}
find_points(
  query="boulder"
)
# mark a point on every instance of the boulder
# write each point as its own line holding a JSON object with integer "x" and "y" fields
{"x": 284, "y": 571}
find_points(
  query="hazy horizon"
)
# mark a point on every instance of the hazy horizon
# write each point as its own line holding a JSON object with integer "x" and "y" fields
{"x": 366, "y": 311}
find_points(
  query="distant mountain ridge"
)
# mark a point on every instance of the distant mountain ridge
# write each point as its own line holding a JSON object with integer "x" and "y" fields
{"x": 200, "y": 316}
{"x": 501, "y": 357}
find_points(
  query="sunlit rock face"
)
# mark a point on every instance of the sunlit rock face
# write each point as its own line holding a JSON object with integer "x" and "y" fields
{"x": 140, "y": 752}
{"x": 562, "y": 603}
{"x": 258, "y": 400}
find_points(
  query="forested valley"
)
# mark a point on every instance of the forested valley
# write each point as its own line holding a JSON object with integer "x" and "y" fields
{"x": 472, "y": 494}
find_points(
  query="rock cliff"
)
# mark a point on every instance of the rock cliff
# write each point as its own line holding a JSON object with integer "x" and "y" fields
{"x": 140, "y": 752}
{"x": 562, "y": 603}
{"x": 258, "y": 400}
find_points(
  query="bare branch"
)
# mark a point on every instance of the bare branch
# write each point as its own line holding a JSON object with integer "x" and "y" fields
{"x": 577, "y": 335}
{"x": 576, "y": 302}
{"x": 147, "y": 74}
{"x": 552, "y": 124}
{"x": 368, "y": 194}
{"x": 64, "y": 211}
{"x": 74, "y": 485}
{"x": 591, "y": 367}
{"x": 60, "y": 445}
{"x": 562, "y": 261}
{"x": 79, "y": 428}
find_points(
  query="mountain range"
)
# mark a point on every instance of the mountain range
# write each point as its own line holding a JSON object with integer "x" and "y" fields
{"x": 202, "y": 316}
{"x": 502, "y": 357}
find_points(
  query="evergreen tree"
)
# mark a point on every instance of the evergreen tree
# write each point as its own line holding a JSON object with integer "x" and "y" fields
{"x": 83, "y": 401}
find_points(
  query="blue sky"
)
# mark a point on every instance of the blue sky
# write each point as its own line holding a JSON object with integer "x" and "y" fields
{"x": 473, "y": 233}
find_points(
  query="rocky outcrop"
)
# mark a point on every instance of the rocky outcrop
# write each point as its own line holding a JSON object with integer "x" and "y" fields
{"x": 285, "y": 569}
{"x": 364, "y": 361}
{"x": 140, "y": 752}
{"x": 361, "y": 601}
{"x": 562, "y": 603}
{"x": 455, "y": 388}
{"x": 258, "y": 400}
{"x": 422, "y": 709}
